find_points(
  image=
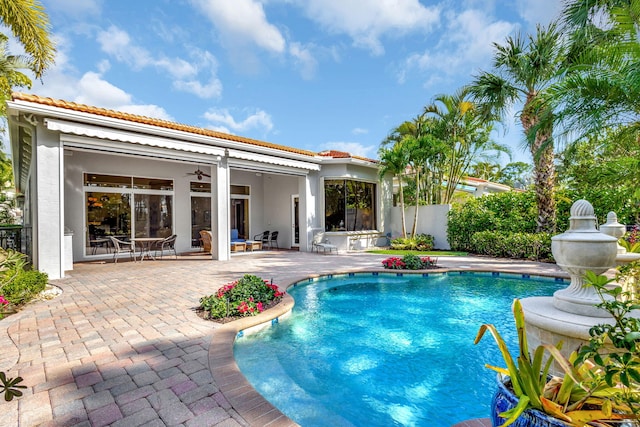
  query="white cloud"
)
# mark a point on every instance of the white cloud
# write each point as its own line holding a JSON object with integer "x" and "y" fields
{"x": 359, "y": 131}
{"x": 304, "y": 60}
{"x": 539, "y": 11}
{"x": 62, "y": 82}
{"x": 242, "y": 22}
{"x": 93, "y": 90}
{"x": 465, "y": 46}
{"x": 366, "y": 21}
{"x": 354, "y": 148}
{"x": 117, "y": 43}
{"x": 148, "y": 110}
{"x": 223, "y": 121}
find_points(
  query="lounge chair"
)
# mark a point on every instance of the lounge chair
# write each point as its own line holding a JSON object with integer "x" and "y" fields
{"x": 235, "y": 237}
{"x": 120, "y": 246}
{"x": 321, "y": 242}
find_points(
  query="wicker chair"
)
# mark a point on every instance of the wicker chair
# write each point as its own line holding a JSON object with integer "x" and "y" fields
{"x": 168, "y": 243}
{"x": 206, "y": 238}
{"x": 120, "y": 246}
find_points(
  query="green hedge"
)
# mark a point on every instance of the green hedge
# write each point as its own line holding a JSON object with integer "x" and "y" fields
{"x": 505, "y": 212}
{"x": 533, "y": 246}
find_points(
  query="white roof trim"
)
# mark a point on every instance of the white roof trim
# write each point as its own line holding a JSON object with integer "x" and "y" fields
{"x": 122, "y": 136}
{"x": 274, "y": 160}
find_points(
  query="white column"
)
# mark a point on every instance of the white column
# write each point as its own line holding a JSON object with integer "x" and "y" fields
{"x": 49, "y": 204}
{"x": 220, "y": 222}
{"x": 308, "y": 200}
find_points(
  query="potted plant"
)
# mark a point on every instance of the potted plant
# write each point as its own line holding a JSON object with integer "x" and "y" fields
{"x": 601, "y": 382}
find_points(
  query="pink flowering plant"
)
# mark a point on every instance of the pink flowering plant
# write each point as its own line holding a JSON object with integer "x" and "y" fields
{"x": 631, "y": 240}
{"x": 248, "y": 296}
{"x": 410, "y": 262}
{"x": 394, "y": 263}
{"x": 4, "y": 305}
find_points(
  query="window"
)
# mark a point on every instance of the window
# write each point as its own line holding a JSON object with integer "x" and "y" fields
{"x": 124, "y": 207}
{"x": 349, "y": 205}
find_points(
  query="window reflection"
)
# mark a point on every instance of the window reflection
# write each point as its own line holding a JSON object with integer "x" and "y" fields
{"x": 349, "y": 205}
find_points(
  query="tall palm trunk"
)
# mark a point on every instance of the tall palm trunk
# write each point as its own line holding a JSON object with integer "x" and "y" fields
{"x": 404, "y": 223}
{"x": 415, "y": 214}
{"x": 541, "y": 147}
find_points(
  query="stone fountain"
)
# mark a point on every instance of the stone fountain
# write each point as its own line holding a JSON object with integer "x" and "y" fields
{"x": 568, "y": 315}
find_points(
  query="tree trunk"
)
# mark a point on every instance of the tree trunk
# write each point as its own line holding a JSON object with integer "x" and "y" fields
{"x": 542, "y": 153}
{"x": 415, "y": 214}
{"x": 404, "y": 224}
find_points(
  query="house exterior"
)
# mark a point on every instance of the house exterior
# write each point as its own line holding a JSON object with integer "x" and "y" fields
{"x": 86, "y": 173}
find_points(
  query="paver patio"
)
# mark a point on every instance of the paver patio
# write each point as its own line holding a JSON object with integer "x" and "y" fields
{"x": 123, "y": 346}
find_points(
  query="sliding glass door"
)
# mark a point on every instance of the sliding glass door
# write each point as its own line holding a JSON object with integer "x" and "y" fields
{"x": 125, "y": 207}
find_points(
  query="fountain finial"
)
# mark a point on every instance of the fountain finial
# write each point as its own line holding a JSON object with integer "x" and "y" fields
{"x": 580, "y": 249}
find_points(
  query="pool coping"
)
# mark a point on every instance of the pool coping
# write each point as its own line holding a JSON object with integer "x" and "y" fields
{"x": 246, "y": 400}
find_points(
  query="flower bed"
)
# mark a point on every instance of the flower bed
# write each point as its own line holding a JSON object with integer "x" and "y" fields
{"x": 248, "y": 296}
{"x": 410, "y": 262}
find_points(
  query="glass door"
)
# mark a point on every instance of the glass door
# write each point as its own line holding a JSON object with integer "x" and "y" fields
{"x": 108, "y": 214}
{"x": 295, "y": 221}
{"x": 200, "y": 218}
{"x": 240, "y": 217}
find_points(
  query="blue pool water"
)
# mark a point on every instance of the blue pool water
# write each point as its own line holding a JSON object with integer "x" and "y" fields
{"x": 382, "y": 350}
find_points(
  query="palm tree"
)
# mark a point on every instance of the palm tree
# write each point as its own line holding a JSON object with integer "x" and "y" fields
{"x": 30, "y": 25}
{"x": 601, "y": 91}
{"x": 485, "y": 170}
{"x": 11, "y": 75}
{"x": 523, "y": 70}
{"x": 465, "y": 133}
{"x": 394, "y": 160}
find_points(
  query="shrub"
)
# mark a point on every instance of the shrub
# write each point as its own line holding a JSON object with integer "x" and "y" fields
{"x": 419, "y": 242}
{"x": 412, "y": 262}
{"x": 510, "y": 211}
{"x": 409, "y": 262}
{"x": 533, "y": 246}
{"x": 245, "y": 297}
{"x": 24, "y": 286}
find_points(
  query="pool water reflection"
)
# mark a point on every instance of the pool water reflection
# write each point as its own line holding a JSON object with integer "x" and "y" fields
{"x": 382, "y": 350}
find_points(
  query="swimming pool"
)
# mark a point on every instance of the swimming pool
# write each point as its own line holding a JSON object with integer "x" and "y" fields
{"x": 381, "y": 349}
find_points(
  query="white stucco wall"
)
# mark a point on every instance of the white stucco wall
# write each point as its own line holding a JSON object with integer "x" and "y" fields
{"x": 276, "y": 215}
{"x": 432, "y": 219}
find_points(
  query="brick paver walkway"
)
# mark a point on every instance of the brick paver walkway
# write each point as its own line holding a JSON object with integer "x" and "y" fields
{"x": 122, "y": 345}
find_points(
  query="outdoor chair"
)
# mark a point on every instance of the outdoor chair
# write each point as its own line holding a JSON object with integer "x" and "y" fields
{"x": 168, "y": 243}
{"x": 273, "y": 240}
{"x": 262, "y": 237}
{"x": 120, "y": 246}
{"x": 206, "y": 238}
{"x": 321, "y": 242}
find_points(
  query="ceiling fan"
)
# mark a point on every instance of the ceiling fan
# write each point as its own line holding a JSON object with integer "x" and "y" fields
{"x": 199, "y": 174}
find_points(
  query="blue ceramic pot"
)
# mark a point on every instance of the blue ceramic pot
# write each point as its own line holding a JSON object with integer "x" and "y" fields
{"x": 504, "y": 399}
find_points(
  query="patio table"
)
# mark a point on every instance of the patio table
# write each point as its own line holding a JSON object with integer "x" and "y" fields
{"x": 145, "y": 245}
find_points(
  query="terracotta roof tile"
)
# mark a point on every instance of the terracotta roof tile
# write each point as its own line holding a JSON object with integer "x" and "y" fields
{"x": 17, "y": 96}
{"x": 335, "y": 154}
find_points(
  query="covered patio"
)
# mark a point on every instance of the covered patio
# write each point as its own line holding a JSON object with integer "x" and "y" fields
{"x": 86, "y": 174}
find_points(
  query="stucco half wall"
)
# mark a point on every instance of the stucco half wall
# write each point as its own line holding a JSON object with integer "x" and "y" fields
{"x": 432, "y": 219}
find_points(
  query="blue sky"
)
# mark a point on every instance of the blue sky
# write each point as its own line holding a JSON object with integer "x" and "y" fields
{"x": 312, "y": 74}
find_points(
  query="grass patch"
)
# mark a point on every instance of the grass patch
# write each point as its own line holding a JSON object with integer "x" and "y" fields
{"x": 419, "y": 253}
